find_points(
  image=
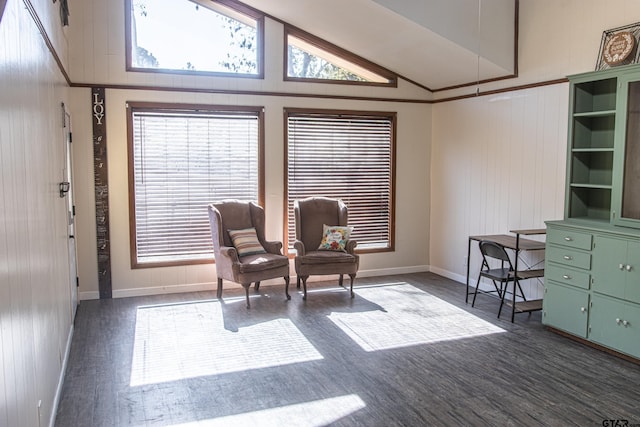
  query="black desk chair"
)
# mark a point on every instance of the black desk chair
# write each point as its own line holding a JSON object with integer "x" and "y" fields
{"x": 502, "y": 275}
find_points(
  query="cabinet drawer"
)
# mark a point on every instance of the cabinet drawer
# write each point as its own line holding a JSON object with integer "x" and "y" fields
{"x": 571, "y": 239}
{"x": 566, "y": 275}
{"x": 569, "y": 257}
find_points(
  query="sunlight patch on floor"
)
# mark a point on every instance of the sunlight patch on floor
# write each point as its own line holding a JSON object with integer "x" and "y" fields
{"x": 174, "y": 342}
{"x": 408, "y": 316}
{"x": 309, "y": 414}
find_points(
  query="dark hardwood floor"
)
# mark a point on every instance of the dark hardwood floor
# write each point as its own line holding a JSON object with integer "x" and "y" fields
{"x": 406, "y": 351}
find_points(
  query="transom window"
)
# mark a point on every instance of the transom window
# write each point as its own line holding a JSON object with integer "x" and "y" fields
{"x": 181, "y": 158}
{"x": 312, "y": 59}
{"x": 194, "y": 36}
{"x": 349, "y": 156}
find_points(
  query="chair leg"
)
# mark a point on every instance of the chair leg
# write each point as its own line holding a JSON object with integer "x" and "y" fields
{"x": 286, "y": 287}
{"x": 304, "y": 286}
{"x": 246, "y": 291}
{"x": 499, "y": 290}
{"x": 352, "y": 277}
{"x": 298, "y": 282}
{"x": 475, "y": 292}
{"x": 340, "y": 283}
{"x": 257, "y": 285}
{"x": 219, "y": 289}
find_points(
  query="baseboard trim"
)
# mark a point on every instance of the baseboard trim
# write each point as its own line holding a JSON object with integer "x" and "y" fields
{"x": 453, "y": 276}
{"x": 209, "y": 286}
{"x": 63, "y": 370}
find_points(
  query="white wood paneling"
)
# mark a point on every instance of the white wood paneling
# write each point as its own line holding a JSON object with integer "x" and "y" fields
{"x": 35, "y": 312}
{"x": 498, "y": 164}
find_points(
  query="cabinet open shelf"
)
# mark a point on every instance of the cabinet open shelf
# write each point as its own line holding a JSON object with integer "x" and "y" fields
{"x": 590, "y": 202}
{"x": 598, "y": 95}
{"x": 592, "y": 135}
{"x": 594, "y": 130}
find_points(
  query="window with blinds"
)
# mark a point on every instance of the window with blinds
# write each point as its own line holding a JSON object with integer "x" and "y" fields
{"x": 349, "y": 156}
{"x": 180, "y": 160}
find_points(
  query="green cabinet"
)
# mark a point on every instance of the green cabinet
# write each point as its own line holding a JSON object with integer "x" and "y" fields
{"x": 597, "y": 300}
{"x": 592, "y": 266}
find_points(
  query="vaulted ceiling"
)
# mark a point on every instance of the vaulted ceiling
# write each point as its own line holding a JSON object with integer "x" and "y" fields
{"x": 435, "y": 43}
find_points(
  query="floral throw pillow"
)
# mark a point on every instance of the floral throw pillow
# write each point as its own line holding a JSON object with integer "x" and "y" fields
{"x": 246, "y": 242}
{"x": 334, "y": 237}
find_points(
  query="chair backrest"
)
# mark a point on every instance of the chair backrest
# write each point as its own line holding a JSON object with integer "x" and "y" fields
{"x": 310, "y": 215}
{"x": 228, "y": 215}
{"x": 491, "y": 249}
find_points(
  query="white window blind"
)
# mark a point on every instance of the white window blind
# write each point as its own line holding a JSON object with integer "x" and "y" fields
{"x": 349, "y": 157}
{"x": 182, "y": 161}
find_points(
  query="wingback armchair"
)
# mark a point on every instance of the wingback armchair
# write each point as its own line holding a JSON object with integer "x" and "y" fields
{"x": 312, "y": 215}
{"x": 248, "y": 261}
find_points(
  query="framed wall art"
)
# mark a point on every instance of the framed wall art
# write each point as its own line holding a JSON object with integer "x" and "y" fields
{"x": 619, "y": 46}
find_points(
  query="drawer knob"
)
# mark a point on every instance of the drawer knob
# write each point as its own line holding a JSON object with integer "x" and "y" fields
{"x": 628, "y": 267}
{"x": 625, "y": 323}
{"x": 618, "y": 321}
{"x": 583, "y": 309}
{"x": 621, "y": 266}
{"x": 566, "y": 277}
{"x": 569, "y": 258}
{"x": 568, "y": 239}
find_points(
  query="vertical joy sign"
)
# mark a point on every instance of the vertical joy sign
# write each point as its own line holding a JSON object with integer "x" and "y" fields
{"x": 101, "y": 180}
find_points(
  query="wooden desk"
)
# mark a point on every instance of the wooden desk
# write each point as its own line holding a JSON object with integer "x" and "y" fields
{"x": 517, "y": 244}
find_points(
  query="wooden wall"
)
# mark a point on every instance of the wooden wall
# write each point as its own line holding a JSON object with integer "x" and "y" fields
{"x": 35, "y": 311}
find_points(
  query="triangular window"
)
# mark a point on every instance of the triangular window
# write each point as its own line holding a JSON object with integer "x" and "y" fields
{"x": 194, "y": 36}
{"x": 310, "y": 58}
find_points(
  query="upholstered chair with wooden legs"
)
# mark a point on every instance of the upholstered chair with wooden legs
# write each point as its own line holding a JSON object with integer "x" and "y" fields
{"x": 316, "y": 218}
{"x": 241, "y": 252}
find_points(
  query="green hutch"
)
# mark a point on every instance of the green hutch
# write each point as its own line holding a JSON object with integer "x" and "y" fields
{"x": 592, "y": 262}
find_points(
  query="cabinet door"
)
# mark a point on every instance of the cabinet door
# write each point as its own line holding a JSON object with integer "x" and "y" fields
{"x": 632, "y": 288}
{"x": 609, "y": 266}
{"x": 565, "y": 308}
{"x": 615, "y": 324}
{"x": 627, "y": 157}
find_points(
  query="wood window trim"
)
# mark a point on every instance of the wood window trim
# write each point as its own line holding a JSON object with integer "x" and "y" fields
{"x": 237, "y": 6}
{"x": 392, "y": 207}
{"x": 179, "y": 107}
{"x": 337, "y": 51}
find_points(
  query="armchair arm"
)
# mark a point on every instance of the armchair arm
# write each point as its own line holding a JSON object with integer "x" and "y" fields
{"x": 229, "y": 252}
{"x": 273, "y": 247}
{"x": 350, "y": 246}
{"x": 299, "y": 247}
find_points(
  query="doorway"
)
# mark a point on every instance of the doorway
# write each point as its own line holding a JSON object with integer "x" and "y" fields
{"x": 66, "y": 191}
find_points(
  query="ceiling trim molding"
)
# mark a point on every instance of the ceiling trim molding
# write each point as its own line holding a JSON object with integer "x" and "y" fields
{"x": 250, "y": 93}
{"x": 45, "y": 37}
{"x": 502, "y": 90}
